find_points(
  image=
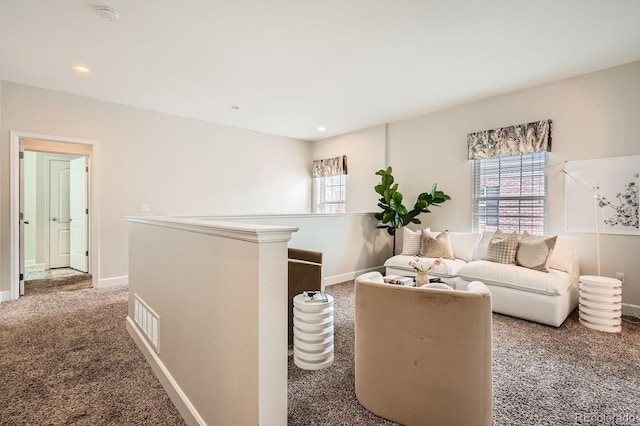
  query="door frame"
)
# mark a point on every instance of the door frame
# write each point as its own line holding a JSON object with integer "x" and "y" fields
{"x": 67, "y": 146}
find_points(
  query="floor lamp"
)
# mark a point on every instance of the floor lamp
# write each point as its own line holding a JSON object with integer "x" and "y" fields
{"x": 600, "y": 298}
{"x": 554, "y": 170}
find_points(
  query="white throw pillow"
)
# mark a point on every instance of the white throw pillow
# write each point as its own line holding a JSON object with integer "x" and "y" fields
{"x": 483, "y": 245}
{"x": 563, "y": 253}
{"x": 437, "y": 286}
{"x": 411, "y": 241}
{"x": 478, "y": 287}
{"x": 464, "y": 244}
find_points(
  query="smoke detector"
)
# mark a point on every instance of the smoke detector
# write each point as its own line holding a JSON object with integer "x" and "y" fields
{"x": 107, "y": 13}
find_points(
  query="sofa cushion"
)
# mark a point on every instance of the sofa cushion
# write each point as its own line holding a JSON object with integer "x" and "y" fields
{"x": 552, "y": 283}
{"x": 411, "y": 241}
{"x": 563, "y": 253}
{"x": 447, "y": 269}
{"x": 535, "y": 252}
{"x": 502, "y": 248}
{"x": 439, "y": 246}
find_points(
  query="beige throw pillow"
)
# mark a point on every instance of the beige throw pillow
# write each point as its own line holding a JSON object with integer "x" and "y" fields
{"x": 411, "y": 241}
{"x": 436, "y": 247}
{"x": 535, "y": 252}
{"x": 502, "y": 248}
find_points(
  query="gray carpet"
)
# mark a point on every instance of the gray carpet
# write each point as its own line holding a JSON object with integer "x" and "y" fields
{"x": 541, "y": 375}
{"x": 66, "y": 359}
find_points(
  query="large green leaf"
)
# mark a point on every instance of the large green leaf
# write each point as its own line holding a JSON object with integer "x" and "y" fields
{"x": 388, "y": 216}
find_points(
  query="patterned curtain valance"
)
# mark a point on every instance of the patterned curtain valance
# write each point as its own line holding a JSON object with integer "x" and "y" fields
{"x": 509, "y": 141}
{"x": 330, "y": 167}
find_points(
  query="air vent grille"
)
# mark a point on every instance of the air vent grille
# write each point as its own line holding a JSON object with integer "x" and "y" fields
{"x": 147, "y": 321}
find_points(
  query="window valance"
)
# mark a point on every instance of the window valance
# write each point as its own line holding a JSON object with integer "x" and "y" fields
{"x": 330, "y": 167}
{"x": 520, "y": 139}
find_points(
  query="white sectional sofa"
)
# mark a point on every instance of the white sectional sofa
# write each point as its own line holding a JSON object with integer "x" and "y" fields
{"x": 518, "y": 291}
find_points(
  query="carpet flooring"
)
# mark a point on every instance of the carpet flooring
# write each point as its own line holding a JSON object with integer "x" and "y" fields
{"x": 66, "y": 359}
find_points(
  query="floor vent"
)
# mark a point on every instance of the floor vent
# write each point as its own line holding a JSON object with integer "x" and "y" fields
{"x": 147, "y": 321}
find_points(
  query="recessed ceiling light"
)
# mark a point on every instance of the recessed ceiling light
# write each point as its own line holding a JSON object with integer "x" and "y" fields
{"x": 322, "y": 128}
{"x": 234, "y": 107}
{"x": 81, "y": 69}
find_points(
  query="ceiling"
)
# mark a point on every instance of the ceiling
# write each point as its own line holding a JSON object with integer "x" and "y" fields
{"x": 294, "y": 65}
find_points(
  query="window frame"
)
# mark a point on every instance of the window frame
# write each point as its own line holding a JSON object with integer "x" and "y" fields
{"x": 322, "y": 187}
{"x": 521, "y": 202}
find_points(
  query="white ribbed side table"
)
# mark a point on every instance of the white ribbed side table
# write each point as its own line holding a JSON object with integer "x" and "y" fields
{"x": 312, "y": 333}
{"x": 600, "y": 303}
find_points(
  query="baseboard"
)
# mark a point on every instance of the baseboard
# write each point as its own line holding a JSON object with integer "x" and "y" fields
{"x": 34, "y": 266}
{"x": 110, "y": 282}
{"x": 631, "y": 310}
{"x": 177, "y": 396}
{"x": 337, "y": 279}
{"x": 4, "y": 296}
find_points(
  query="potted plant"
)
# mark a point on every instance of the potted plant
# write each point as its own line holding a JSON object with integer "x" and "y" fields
{"x": 394, "y": 214}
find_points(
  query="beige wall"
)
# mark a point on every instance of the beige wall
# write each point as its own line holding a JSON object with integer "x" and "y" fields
{"x": 594, "y": 116}
{"x": 365, "y": 151}
{"x": 176, "y": 165}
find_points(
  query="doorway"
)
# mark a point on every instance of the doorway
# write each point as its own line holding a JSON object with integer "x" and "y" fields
{"x": 54, "y": 228}
{"x": 55, "y": 223}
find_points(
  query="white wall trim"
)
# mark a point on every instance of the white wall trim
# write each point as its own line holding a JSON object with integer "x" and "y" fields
{"x": 337, "y": 279}
{"x": 631, "y": 310}
{"x": 114, "y": 281}
{"x": 34, "y": 266}
{"x": 94, "y": 203}
{"x": 5, "y": 295}
{"x": 278, "y": 215}
{"x": 177, "y": 396}
{"x": 236, "y": 231}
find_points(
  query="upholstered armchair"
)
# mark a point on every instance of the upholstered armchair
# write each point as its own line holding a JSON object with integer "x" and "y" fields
{"x": 423, "y": 355}
{"x": 305, "y": 273}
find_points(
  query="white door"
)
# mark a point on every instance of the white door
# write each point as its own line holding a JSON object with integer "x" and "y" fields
{"x": 58, "y": 214}
{"x": 78, "y": 214}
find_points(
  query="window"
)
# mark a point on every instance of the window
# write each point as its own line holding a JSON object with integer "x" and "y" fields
{"x": 330, "y": 194}
{"x": 510, "y": 193}
{"x": 329, "y": 185}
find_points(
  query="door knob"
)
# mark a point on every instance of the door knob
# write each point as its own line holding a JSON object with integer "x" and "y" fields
{"x": 55, "y": 219}
{"x": 26, "y": 222}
